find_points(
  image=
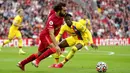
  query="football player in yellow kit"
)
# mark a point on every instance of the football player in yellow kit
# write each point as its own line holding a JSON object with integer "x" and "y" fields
{"x": 77, "y": 39}
{"x": 86, "y": 23}
{"x": 14, "y": 31}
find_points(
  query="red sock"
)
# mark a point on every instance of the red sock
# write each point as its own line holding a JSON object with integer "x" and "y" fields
{"x": 46, "y": 54}
{"x": 29, "y": 59}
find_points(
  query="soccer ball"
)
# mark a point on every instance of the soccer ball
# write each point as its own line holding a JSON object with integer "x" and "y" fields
{"x": 101, "y": 67}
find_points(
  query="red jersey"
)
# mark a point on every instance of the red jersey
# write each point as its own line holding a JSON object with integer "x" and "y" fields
{"x": 53, "y": 22}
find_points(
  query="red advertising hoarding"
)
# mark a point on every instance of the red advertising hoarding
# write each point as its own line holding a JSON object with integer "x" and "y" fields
{"x": 97, "y": 41}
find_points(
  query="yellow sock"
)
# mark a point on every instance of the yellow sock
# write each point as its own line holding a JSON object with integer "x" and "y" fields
{"x": 56, "y": 60}
{"x": 70, "y": 55}
{"x": 20, "y": 43}
{"x": 6, "y": 42}
{"x": 56, "y": 56}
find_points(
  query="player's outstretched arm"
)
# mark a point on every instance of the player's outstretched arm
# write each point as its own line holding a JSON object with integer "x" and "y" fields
{"x": 51, "y": 32}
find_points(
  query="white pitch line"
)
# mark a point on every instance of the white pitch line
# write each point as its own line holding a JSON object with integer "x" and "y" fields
{"x": 101, "y": 52}
{"x": 111, "y": 53}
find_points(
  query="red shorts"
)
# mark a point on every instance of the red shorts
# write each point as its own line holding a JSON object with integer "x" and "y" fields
{"x": 45, "y": 41}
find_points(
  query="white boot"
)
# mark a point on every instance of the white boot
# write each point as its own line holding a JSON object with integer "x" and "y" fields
{"x": 86, "y": 48}
{"x": 50, "y": 56}
{"x": 21, "y": 52}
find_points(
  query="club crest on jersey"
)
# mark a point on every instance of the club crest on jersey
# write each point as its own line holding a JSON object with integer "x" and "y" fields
{"x": 51, "y": 22}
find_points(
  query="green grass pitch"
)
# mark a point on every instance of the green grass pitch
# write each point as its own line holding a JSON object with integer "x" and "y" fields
{"x": 116, "y": 57}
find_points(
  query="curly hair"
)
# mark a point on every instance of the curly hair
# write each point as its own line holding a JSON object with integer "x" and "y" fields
{"x": 59, "y": 6}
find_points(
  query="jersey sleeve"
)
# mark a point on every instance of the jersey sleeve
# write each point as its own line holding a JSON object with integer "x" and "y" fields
{"x": 63, "y": 28}
{"x": 50, "y": 24}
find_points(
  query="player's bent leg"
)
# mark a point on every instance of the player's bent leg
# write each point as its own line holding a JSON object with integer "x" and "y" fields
{"x": 35, "y": 63}
{"x": 44, "y": 55}
{"x": 22, "y": 63}
{"x": 4, "y": 43}
{"x": 56, "y": 57}
{"x": 10, "y": 37}
{"x": 72, "y": 52}
{"x": 70, "y": 55}
{"x": 20, "y": 44}
{"x": 7, "y": 41}
{"x": 62, "y": 44}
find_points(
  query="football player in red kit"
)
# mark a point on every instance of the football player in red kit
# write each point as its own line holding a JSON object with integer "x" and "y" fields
{"x": 48, "y": 44}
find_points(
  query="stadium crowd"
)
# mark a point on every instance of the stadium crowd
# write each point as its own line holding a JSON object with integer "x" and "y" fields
{"x": 110, "y": 19}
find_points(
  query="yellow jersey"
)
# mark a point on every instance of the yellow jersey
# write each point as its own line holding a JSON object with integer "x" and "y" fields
{"x": 17, "y": 19}
{"x": 85, "y": 22}
{"x": 77, "y": 30}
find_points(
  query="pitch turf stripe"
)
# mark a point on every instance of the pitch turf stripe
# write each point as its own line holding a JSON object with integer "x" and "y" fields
{"x": 103, "y": 53}
{"x": 98, "y": 52}
{"x": 110, "y": 53}
{"x": 9, "y": 59}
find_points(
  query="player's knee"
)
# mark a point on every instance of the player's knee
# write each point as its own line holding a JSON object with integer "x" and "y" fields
{"x": 20, "y": 39}
{"x": 79, "y": 46}
{"x": 74, "y": 49}
{"x": 63, "y": 44}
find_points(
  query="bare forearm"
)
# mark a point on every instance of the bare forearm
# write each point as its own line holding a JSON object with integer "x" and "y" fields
{"x": 53, "y": 39}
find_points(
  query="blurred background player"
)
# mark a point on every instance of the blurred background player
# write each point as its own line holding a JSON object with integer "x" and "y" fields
{"x": 48, "y": 44}
{"x": 14, "y": 31}
{"x": 77, "y": 39}
{"x": 86, "y": 23}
